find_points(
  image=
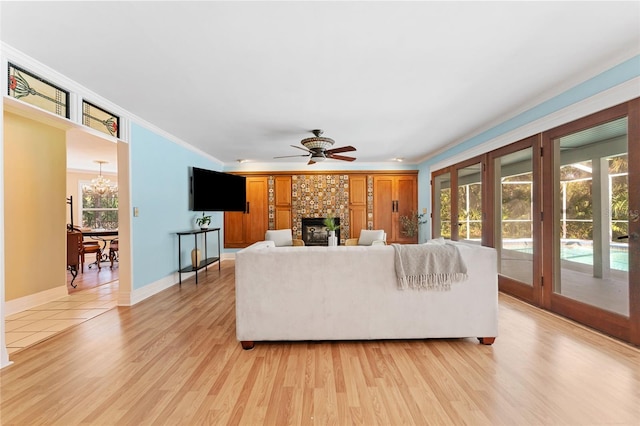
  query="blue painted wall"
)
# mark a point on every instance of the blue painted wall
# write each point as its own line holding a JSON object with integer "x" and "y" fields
{"x": 160, "y": 190}
{"x": 619, "y": 74}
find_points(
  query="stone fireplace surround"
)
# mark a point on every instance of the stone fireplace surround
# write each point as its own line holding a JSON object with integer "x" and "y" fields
{"x": 314, "y": 233}
{"x": 315, "y": 196}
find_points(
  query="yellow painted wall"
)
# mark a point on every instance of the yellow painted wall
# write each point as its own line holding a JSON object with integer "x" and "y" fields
{"x": 34, "y": 204}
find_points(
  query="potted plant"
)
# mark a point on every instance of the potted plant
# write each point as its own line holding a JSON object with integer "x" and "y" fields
{"x": 331, "y": 225}
{"x": 203, "y": 221}
{"x": 410, "y": 224}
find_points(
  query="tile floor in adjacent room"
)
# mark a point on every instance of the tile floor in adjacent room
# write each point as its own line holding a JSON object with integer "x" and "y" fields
{"x": 32, "y": 326}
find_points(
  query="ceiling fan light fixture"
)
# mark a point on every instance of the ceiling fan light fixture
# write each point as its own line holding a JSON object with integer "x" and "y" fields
{"x": 318, "y": 149}
{"x": 317, "y": 142}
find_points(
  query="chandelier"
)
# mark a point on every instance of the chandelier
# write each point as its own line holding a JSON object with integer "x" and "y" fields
{"x": 101, "y": 185}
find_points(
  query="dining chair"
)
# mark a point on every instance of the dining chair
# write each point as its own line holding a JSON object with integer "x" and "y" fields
{"x": 89, "y": 247}
{"x": 113, "y": 251}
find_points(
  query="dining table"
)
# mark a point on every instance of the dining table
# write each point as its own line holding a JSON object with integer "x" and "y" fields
{"x": 102, "y": 235}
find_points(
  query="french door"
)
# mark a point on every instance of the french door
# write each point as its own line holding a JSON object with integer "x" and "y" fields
{"x": 591, "y": 243}
{"x": 516, "y": 222}
{"x": 458, "y": 201}
{"x": 562, "y": 209}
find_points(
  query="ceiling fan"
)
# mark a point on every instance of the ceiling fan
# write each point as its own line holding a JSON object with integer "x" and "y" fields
{"x": 317, "y": 149}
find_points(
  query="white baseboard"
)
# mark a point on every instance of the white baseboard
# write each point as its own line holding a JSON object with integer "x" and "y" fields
{"x": 138, "y": 295}
{"x": 31, "y": 301}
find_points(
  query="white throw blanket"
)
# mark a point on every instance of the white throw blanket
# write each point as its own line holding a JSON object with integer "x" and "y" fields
{"x": 428, "y": 266}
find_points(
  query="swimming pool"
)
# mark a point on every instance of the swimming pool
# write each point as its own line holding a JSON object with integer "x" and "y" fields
{"x": 580, "y": 252}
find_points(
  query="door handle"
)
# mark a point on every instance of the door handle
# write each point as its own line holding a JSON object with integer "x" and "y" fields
{"x": 633, "y": 236}
{"x": 247, "y": 212}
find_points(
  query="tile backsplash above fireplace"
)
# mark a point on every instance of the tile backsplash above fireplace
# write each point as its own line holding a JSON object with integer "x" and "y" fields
{"x": 316, "y": 196}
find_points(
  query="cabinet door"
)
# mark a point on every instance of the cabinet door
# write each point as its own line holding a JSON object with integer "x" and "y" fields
{"x": 383, "y": 202}
{"x": 244, "y": 228}
{"x": 256, "y": 217}
{"x": 234, "y": 229}
{"x": 406, "y": 196}
{"x": 282, "y": 196}
{"x": 357, "y": 205}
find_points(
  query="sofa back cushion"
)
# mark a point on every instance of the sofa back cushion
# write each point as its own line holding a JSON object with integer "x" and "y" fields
{"x": 281, "y": 237}
{"x": 368, "y": 236}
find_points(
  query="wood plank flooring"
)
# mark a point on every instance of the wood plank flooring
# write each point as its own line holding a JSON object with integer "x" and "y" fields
{"x": 173, "y": 359}
{"x": 92, "y": 276}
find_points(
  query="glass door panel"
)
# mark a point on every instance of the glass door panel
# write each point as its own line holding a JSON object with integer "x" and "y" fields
{"x": 442, "y": 206}
{"x": 514, "y": 218}
{"x": 470, "y": 204}
{"x": 591, "y": 249}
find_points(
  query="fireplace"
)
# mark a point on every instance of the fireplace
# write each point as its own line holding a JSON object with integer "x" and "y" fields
{"x": 314, "y": 233}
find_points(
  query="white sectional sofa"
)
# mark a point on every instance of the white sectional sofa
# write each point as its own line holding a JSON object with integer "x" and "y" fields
{"x": 351, "y": 293}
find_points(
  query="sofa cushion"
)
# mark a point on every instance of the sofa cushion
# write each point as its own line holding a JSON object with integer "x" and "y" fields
{"x": 281, "y": 237}
{"x": 368, "y": 236}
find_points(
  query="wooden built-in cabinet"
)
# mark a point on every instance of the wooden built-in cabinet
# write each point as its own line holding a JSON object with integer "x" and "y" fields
{"x": 244, "y": 228}
{"x": 394, "y": 196}
{"x": 357, "y": 204}
{"x": 282, "y": 197}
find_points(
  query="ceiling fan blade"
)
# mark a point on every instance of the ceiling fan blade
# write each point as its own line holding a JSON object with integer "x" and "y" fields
{"x": 289, "y": 156}
{"x": 299, "y": 147}
{"x": 340, "y": 157}
{"x": 342, "y": 149}
{"x": 311, "y": 162}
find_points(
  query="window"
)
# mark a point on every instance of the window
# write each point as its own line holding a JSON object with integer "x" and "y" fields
{"x": 99, "y": 119}
{"x": 36, "y": 91}
{"x": 99, "y": 208}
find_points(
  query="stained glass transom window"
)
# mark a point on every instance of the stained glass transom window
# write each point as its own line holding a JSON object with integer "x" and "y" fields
{"x": 36, "y": 91}
{"x": 99, "y": 119}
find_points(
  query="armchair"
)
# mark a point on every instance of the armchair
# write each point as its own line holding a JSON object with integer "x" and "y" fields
{"x": 368, "y": 237}
{"x": 282, "y": 238}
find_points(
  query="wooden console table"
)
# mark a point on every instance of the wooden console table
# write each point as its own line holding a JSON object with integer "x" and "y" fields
{"x": 204, "y": 262}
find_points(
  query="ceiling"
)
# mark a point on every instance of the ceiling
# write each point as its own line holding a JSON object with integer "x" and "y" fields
{"x": 245, "y": 80}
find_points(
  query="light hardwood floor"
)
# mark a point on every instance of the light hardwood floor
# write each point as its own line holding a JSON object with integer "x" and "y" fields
{"x": 92, "y": 276}
{"x": 173, "y": 359}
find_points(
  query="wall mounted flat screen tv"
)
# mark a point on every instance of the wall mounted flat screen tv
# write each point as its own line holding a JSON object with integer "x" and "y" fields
{"x": 217, "y": 191}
